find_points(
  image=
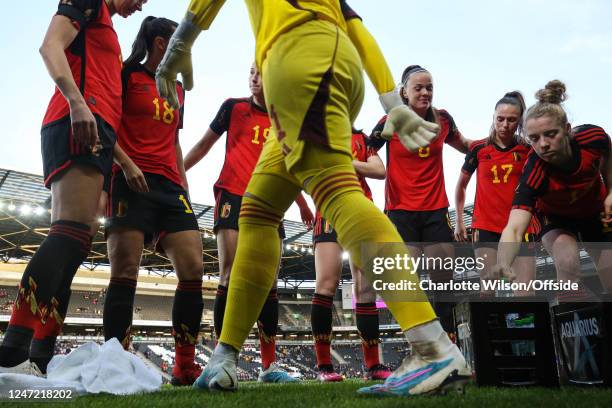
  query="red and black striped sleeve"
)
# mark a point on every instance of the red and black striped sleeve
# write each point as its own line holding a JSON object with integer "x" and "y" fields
{"x": 375, "y": 141}
{"x": 471, "y": 158}
{"x": 347, "y": 11}
{"x": 592, "y": 137}
{"x": 221, "y": 122}
{"x": 453, "y": 132}
{"x": 80, "y": 12}
{"x": 369, "y": 151}
{"x": 533, "y": 183}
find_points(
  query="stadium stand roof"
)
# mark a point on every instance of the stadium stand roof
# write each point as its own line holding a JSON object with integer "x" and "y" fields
{"x": 25, "y": 218}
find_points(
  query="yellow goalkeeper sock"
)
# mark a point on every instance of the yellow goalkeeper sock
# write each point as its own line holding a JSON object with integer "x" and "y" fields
{"x": 357, "y": 221}
{"x": 257, "y": 256}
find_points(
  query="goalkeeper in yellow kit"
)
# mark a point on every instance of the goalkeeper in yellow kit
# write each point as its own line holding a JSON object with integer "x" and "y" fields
{"x": 310, "y": 54}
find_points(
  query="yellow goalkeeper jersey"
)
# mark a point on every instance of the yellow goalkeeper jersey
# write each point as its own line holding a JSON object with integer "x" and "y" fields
{"x": 272, "y": 18}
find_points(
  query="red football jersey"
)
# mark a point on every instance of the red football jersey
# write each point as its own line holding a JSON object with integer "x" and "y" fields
{"x": 248, "y": 127}
{"x": 498, "y": 172}
{"x": 149, "y": 125}
{"x": 415, "y": 181}
{"x": 95, "y": 62}
{"x": 361, "y": 151}
{"x": 577, "y": 192}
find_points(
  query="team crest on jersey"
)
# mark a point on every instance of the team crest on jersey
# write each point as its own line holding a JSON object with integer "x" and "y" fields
{"x": 122, "y": 207}
{"x": 226, "y": 209}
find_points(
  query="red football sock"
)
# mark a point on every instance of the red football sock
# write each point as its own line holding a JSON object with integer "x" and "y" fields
{"x": 370, "y": 354}
{"x": 267, "y": 348}
{"x": 184, "y": 355}
{"x": 323, "y": 352}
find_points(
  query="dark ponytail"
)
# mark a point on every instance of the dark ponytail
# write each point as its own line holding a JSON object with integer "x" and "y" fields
{"x": 516, "y": 99}
{"x": 150, "y": 28}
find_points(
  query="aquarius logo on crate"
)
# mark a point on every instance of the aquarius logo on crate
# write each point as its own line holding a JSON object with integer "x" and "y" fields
{"x": 581, "y": 345}
{"x": 580, "y": 328}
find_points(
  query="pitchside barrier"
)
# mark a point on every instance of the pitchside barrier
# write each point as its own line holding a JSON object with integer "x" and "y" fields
{"x": 507, "y": 343}
{"x": 583, "y": 342}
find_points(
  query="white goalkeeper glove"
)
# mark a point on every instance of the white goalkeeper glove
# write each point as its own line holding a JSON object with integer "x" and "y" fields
{"x": 177, "y": 59}
{"x": 412, "y": 130}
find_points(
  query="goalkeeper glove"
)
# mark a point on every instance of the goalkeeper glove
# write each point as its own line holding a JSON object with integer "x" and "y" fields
{"x": 412, "y": 130}
{"x": 177, "y": 59}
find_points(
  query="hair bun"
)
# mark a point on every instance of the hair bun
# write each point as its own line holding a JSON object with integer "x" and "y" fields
{"x": 553, "y": 92}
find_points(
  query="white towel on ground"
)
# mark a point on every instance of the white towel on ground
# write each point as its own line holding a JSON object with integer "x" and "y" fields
{"x": 92, "y": 369}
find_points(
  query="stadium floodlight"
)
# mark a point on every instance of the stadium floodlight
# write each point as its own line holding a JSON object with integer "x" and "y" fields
{"x": 102, "y": 220}
{"x": 39, "y": 211}
{"x": 25, "y": 209}
{"x": 11, "y": 207}
{"x": 303, "y": 249}
{"x": 310, "y": 251}
{"x": 345, "y": 255}
{"x": 214, "y": 236}
{"x": 1, "y": 205}
{"x": 287, "y": 247}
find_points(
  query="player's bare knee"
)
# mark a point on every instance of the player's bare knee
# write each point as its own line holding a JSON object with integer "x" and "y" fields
{"x": 365, "y": 294}
{"x": 327, "y": 287}
{"x": 125, "y": 270}
{"x": 124, "y": 263}
{"x": 568, "y": 264}
{"x": 193, "y": 271}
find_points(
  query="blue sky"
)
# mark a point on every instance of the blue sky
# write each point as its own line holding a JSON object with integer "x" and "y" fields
{"x": 476, "y": 51}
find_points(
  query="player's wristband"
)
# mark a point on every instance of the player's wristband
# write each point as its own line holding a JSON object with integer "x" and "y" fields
{"x": 390, "y": 100}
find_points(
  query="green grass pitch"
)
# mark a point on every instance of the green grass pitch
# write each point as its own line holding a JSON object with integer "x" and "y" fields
{"x": 342, "y": 395}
